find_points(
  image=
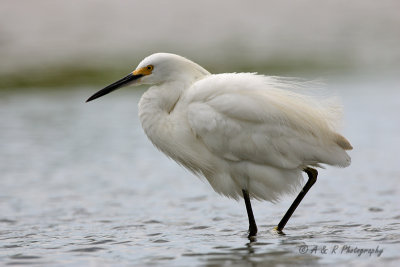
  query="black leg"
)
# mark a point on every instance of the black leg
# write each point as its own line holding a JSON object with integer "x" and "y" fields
{"x": 312, "y": 178}
{"x": 252, "y": 221}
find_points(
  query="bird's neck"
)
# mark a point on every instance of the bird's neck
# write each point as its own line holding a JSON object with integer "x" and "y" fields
{"x": 161, "y": 98}
{"x": 156, "y": 105}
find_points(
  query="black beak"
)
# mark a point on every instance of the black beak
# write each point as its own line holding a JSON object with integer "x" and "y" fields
{"x": 114, "y": 86}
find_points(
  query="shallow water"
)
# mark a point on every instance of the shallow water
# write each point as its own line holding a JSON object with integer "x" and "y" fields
{"x": 81, "y": 184}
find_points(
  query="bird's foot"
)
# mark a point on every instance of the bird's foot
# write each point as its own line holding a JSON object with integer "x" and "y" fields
{"x": 252, "y": 238}
{"x": 278, "y": 231}
{"x": 252, "y": 233}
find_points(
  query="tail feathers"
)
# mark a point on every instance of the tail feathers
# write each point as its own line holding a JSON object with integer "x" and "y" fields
{"x": 343, "y": 142}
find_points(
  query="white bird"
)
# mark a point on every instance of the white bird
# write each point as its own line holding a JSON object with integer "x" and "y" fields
{"x": 249, "y": 135}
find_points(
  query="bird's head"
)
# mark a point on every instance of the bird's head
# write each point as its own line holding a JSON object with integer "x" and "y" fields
{"x": 157, "y": 69}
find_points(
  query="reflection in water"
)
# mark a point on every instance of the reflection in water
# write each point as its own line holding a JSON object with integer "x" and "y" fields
{"x": 254, "y": 254}
{"x": 84, "y": 186}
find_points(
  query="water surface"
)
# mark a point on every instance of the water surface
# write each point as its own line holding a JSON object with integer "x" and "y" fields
{"x": 81, "y": 184}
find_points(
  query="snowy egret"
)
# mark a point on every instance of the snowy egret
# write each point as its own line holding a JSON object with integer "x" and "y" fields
{"x": 249, "y": 135}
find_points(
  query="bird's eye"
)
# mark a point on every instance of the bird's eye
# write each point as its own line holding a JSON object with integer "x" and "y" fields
{"x": 150, "y": 67}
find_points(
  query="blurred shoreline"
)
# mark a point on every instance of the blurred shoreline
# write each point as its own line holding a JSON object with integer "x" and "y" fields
{"x": 50, "y": 43}
{"x": 81, "y": 74}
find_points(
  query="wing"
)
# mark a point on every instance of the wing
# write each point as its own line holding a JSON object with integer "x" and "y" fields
{"x": 247, "y": 117}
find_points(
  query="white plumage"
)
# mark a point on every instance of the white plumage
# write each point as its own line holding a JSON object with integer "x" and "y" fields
{"x": 241, "y": 131}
